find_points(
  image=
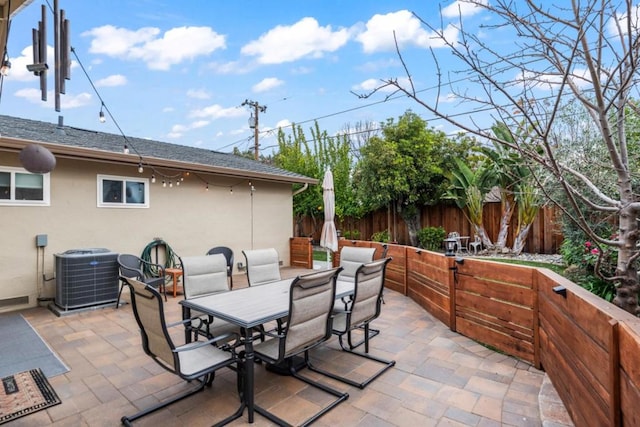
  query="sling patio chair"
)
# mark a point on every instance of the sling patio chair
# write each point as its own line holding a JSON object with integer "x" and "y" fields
{"x": 263, "y": 266}
{"x": 135, "y": 267}
{"x": 205, "y": 275}
{"x": 196, "y": 361}
{"x": 363, "y": 309}
{"x": 228, "y": 254}
{"x": 311, "y": 299}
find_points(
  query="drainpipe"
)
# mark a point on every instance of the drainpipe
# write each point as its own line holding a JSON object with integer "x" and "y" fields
{"x": 306, "y": 185}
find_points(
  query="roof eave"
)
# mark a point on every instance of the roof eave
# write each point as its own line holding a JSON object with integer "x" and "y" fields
{"x": 80, "y": 153}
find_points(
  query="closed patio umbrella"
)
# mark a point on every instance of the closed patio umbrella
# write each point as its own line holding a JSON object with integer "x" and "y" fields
{"x": 329, "y": 236}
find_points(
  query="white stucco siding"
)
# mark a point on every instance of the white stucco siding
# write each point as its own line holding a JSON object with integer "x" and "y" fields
{"x": 188, "y": 217}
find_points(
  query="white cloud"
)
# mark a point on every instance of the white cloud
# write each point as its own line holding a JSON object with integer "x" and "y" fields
{"x": 463, "y": 8}
{"x": 304, "y": 39}
{"x": 199, "y": 124}
{"x": 622, "y": 22}
{"x": 158, "y": 51}
{"x": 67, "y": 101}
{"x": 217, "y": 111}
{"x": 168, "y": 110}
{"x": 448, "y": 98}
{"x": 372, "y": 84}
{"x": 111, "y": 81}
{"x": 177, "y": 131}
{"x": 543, "y": 81}
{"x": 267, "y": 84}
{"x": 379, "y": 33}
{"x": 283, "y": 124}
{"x": 198, "y": 94}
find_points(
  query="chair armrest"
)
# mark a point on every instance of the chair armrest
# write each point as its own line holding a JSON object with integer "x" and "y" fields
{"x": 211, "y": 341}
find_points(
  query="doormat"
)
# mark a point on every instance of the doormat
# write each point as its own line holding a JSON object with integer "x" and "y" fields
{"x": 25, "y": 393}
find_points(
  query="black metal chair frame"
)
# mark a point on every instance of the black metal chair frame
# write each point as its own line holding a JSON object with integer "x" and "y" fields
{"x": 375, "y": 267}
{"x": 305, "y": 282}
{"x": 129, "y": 271}
{"x": 203, "y": 377}
{"x": 228, "y": 254}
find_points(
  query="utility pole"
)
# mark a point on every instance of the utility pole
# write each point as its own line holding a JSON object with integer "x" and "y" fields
{"x": 253, "y": 121}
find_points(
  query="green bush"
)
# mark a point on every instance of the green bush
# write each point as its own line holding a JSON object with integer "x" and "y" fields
{"x": 431, "y": 238}
{"x": 351, "y": 234}
{"x": 381, "y": 236}
{"x": 581, "y": 256}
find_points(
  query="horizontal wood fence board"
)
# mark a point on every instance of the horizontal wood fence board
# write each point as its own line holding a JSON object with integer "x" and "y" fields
{"x": 629, "y": 335}
{"x": 578, "y": 348}
{"x": 509, "y": 293}
{"x": 504, "y": 342}
{"x": 428, "y": 283}
{"x": 507, "y": 318}
{"x": 588, "y": 311}
{"x": 517, "y": 331}
{"x": 585, "y": 407}
{"x": 499, "y": 272}
{"x": 301, "y": 252}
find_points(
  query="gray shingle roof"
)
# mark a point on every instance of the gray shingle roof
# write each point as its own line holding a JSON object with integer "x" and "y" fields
{"x": 38, "y": 131}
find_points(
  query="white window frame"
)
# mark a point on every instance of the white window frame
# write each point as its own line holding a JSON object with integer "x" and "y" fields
{"x": 123, "y": 204}
{"x": 46, "y": 188}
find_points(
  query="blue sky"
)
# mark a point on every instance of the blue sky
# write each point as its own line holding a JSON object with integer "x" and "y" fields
{"x": 179, "y": 71}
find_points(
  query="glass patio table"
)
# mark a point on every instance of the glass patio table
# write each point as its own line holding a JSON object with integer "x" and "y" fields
{"x": 248, "y": 308}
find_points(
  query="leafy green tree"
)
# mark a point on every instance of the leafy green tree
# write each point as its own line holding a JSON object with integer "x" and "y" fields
{"x": 406, "y": 168}
{"x": 312, "y": 157}
{"x": 585, "y": 51}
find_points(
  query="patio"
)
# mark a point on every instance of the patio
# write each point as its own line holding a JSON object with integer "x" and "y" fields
{"x": 441, "y": 378}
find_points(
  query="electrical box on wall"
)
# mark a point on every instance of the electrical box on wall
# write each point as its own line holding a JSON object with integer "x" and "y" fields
{"x": 41, "y": 240}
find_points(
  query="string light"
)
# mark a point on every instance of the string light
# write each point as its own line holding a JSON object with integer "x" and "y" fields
{"x": 207, "y": 187}
{"x": 140, "y": 168}
{"x": 101, "y": 114}
{"x": 178, "y": 183}
{"x": 153, "y": 179}
{"x": 170, "y": 184}
{"x": 231, "y": 190}
{"x": 126, "y": 149}
{"x": 6, "y": 67}
{"x": 164, "y": 183}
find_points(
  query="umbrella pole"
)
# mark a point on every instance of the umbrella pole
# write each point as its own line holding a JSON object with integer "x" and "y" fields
{"x": 328, "y": 260}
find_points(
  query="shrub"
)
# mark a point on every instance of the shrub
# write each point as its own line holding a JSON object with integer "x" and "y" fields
{"x": 381, "y": 236}
{"x": 351, "y": 234}
{"x": 431, "y": 238}
{"x": 581, "y": 257}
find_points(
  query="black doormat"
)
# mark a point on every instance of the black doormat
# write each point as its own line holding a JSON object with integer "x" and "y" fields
{"x": 25, "y": 393}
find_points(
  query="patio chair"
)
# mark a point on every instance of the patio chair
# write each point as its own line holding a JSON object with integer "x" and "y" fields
{"x": 134, "y": 267}
{"x": 263, "y": 266}
{"x": 364, "y": 308}
{"x": 201, "y": 276}
{"x": 461, "y": 244}
{"x": 192, "y": 361}
{"x": 228, "y": 254}
{"x": 476, "y": 244}
{"x": 351, "y": 258}
{"x": 310, "y": 302}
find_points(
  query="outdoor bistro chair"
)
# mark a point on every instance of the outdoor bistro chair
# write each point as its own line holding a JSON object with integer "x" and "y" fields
{"x": 364, "y": 308}
{"x": 134, "y": 267}
{"x": 310, "y": 301}
{"x": 228, "y": 254}
{"x": 263, "y": 266}
{"x": 351, "y": 258}
{"x": 192, "y": 361}
{"x": 476, "y": 244}
{"x": 206, "y": 275}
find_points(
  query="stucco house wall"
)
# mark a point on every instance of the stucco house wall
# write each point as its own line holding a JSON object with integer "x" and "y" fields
{"x": 243, "y": 211}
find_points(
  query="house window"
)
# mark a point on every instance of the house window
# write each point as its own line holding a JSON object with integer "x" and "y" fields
{"x": 122, "y": 192}
{"x": 21, "y": 188}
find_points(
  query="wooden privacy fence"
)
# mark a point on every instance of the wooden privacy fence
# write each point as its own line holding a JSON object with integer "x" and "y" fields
{"x": 544, "y": 236}
{"x": 589, "y": 348}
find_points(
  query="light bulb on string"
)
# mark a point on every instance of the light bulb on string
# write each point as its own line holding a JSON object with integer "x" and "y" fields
{"x": 126, "y": 149}
{"x": 207, "y": 187}
{"x": 170, "y": 184}
{"x": 140, "y": 168}
{"x": 178, "y": 183}
{"x": 231, "y": 190}
{"x": 101, "y": 114}
{"x": 153, "y": 179}
{"x": 164, "y": 183}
